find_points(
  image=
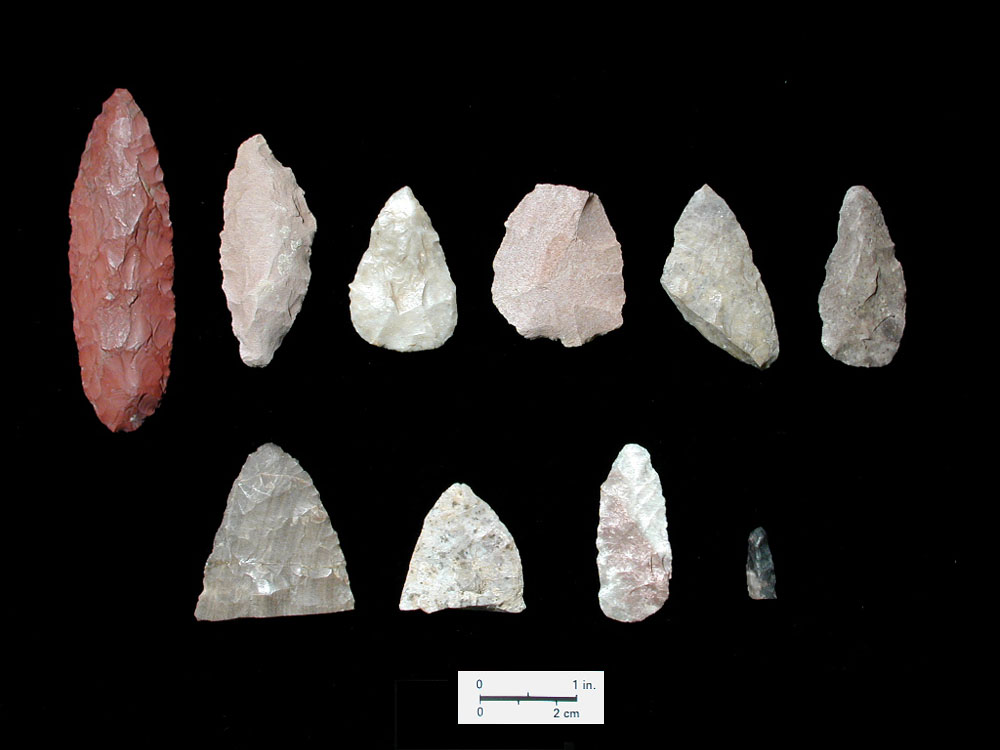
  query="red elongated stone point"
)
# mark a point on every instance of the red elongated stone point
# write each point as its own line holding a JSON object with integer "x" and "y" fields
{"x": 121, "y": 265}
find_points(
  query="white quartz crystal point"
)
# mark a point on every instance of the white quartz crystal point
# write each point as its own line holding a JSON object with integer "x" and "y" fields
{"x": 863, "y": 299}
{"x": 633, "y": 552}
{"x": 266, "y": 242}
{"x": 558, "y": 272}
{"x": 465, "y": 557}
{"x": 711, "y": 277}
{"x": 276, "y": 552}
{"x": 403, "y": 297}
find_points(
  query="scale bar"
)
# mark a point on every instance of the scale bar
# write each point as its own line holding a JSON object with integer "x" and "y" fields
{"x": 519, "y": 698}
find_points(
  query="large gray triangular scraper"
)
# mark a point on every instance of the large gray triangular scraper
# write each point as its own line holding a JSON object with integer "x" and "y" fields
{"x": 465, "y": 558}
{"x": 276, "y": 552}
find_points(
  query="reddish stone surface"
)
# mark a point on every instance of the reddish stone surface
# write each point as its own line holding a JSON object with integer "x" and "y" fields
{"x": 122, "y": 267}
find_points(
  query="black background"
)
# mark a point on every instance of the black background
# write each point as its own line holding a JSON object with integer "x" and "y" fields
{"x": 842, "y": 466}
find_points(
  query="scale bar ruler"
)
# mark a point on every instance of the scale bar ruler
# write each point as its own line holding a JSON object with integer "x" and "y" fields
{"x": 531, "y": 697}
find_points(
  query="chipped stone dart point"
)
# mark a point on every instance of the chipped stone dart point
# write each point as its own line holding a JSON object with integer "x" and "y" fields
{"x": 558, "y": 272}
{"x": 121, "y": 265}
{"x": 760, "y": 566}
{"x": 634, "y": 559}
{"x": 276, "y": 552}
{"x": 464, "y": 558}
{"x": 863, "y": 299}
{"x": 402, "y": 296}
{"x": 266, "y": 244}
{"x": 711, "y": 277}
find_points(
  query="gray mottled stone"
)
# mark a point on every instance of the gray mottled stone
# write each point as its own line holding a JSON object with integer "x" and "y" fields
{"x": 266, "y": 244}
{"x": 634, "y": 560}
{"x": 863, "y": 299}
{"x": 402, "y": 296}
{"x": 558, "y": 272}
{"x": 760, "y": 566}
{"x": 711, "y": 277}
{"x": 276, "y": 552}
{"x": 465, "y": 557}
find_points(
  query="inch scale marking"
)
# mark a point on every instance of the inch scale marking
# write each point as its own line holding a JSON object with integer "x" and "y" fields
{"x": 530, "y": 697}
{"x": 516, "y": 697}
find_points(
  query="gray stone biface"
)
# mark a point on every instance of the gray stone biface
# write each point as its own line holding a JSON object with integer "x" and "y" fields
{"x": 276, "y": 552}
{"x": 863, "y": 299}
{"x": 711, "y": 277}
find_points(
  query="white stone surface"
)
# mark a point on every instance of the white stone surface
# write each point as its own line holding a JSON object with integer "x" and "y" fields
{"x": 465, "y": 557}
{"x": 402, "y": 296}
{"x": 863, "y": 299}
{"x": 558, "y": 272}
{"x": 711, "y": 277}
{"x": 266, "y": 243}
{"x": 276, "y": 552}
{"x": 634, "y": 559}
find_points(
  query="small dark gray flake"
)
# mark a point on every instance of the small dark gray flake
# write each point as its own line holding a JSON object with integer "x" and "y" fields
{"x": 760, "y": 566}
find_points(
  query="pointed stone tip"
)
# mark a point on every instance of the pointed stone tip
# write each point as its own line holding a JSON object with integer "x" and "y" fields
{"x": 631, "y": 449}
{"x": 859, "y": 194}
{"x": 123, "y": 94}
{"x": 272, "y": 448}
{"x": 402, "y": 202}
{"x": 120, "y": 101}
{"x": 253, "y": 144}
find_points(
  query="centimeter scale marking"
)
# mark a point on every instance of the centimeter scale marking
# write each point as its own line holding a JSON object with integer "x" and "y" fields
{"x": 514, "y": 697}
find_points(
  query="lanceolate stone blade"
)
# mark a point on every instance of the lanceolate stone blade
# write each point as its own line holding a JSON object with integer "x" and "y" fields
{"x": 558, "y": 272}
{"x": 266, "y": 243}
{"x": 711, "y": 277}
{"x": 121, "y": 265}
{"x": 760, "y": 566}
{"x": 634, "y": 560}
{"x": 403, "y": 297}
{"x": 465, "y": 557}
{"x": 863, "y": 299}
{"x": 276, "y": 552}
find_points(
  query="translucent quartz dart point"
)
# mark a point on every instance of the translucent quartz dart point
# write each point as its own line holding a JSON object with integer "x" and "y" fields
{"x": 121, "y": 265}
{"x": 402, "y": 296}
